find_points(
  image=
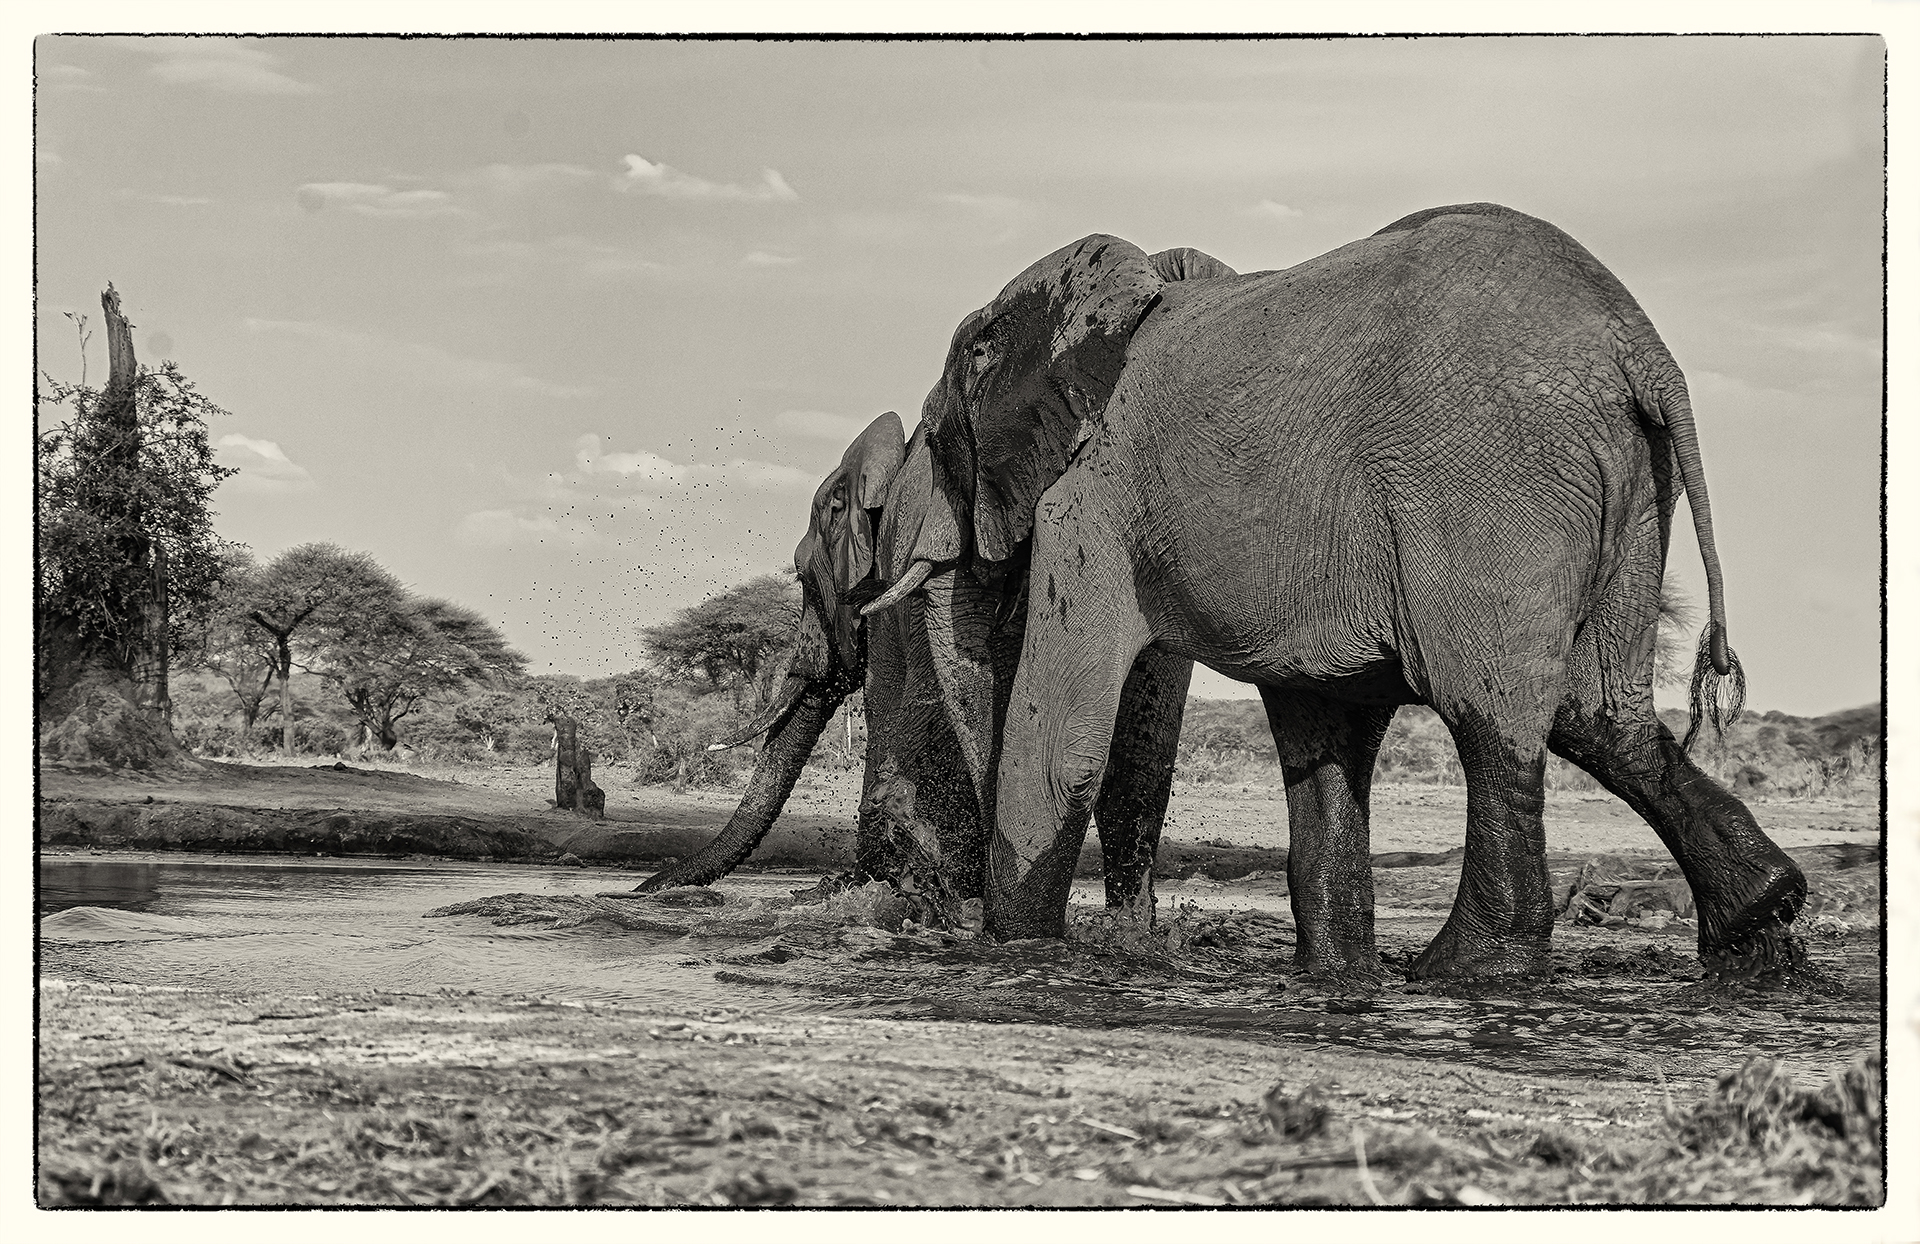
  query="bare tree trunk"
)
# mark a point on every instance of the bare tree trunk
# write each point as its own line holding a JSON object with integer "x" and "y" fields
{"x": 104, "y": 700}
{"x": 286, "y": 699}
{"x": 151, "y": 657}
{"x": 573, "y": 785}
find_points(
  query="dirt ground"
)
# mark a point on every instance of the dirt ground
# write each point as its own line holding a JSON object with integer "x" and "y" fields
{"x": 1181, "y": 1068}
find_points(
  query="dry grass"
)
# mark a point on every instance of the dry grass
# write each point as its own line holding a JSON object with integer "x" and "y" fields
{"x": 706, "y": 1114}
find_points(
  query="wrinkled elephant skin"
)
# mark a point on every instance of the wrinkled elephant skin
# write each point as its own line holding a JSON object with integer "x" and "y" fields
{"x": 1438, "y": 466}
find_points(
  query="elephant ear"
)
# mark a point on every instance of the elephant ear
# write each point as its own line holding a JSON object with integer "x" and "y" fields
{"x": 866, "y": 470}
{"x": 1038, "y": 369}
{"x": 1183, "y": 263}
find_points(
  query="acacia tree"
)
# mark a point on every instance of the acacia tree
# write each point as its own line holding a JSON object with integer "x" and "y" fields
{"x": 235, "y": 647}
{"x": 311, "y": 596}
{"x": 128, "y": 562}
{"x": 733, "y": 639}
{"x": 391, "y": 662}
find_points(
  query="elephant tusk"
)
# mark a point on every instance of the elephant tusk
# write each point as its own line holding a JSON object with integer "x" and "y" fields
{"x": 906, "y": 585}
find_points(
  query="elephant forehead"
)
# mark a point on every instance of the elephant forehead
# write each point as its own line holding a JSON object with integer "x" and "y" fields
{"x": 1089, "y": 254}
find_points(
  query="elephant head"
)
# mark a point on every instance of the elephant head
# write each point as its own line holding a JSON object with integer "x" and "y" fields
{"x": 938, "y": 672}
{"x": 1026, "y": 382}
{"x": 827, "y": 659}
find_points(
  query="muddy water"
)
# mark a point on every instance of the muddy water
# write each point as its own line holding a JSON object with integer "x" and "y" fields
{"x": 1623, "y": 1004}
{"x": 293, "y": 926}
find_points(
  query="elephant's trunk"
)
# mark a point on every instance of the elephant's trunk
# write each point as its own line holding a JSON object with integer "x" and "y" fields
{"x": 787, "y": 690}
{"x": 794, "y": 733}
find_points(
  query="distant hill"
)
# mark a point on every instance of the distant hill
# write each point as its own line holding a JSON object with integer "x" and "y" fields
{"x": 1766, "y": 753}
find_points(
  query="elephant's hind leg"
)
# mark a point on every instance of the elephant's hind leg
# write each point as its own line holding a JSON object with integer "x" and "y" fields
{"x": 1327, "y": 750}
{"x": 1745, "y": 888}
{"x": 1132, "y": 807}
{"x": 1502, "y": 918}
{"x": 1495, "y": 675}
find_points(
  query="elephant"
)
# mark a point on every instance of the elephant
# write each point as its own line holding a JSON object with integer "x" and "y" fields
{"x": 1437, "y": 466}
{"x": 936, "y": 673}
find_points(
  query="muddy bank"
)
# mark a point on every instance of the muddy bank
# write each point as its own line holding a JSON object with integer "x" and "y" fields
{"x": 504, "y": 814}
{"x": 341, "y": 810}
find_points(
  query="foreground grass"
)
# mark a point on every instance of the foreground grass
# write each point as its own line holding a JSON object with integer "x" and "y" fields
{"x": 151, "y": 1097}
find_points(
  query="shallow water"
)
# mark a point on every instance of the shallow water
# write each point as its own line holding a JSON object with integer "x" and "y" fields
{"x": 1620, "y": 1006}
{"x": 293, "y": 926}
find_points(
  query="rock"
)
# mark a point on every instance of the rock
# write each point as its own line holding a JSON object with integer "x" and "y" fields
{"x": 1643, "y": 898}
{"x": 569, "y": 859}
{"x": 1827, "y": 926}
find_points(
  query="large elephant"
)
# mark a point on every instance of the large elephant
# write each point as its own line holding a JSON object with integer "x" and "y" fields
{"x": 937, "y": 673}
{"x": 1437, "y": 465}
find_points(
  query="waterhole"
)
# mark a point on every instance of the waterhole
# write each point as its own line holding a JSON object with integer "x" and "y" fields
{"x": 1622, "y": 1003}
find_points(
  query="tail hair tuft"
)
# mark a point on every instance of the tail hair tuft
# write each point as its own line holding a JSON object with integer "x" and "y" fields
{"x": 1711, "y": 697}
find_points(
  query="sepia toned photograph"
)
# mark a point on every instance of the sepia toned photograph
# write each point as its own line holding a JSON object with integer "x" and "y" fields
{"x": 958, "y": 621}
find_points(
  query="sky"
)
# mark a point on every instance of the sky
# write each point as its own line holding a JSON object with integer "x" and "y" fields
{"x": 568, "y": 331}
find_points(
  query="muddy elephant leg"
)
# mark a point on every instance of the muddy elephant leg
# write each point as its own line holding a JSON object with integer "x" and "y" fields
{"x": 1132, "y": 806}
{"x": 919, "y": 814}
{"x": 1494, "y": 647}
{"x": 1745, "y": 888}
{"x": 1502, "y": 918}
{"x": 1084, "y": 629}
{"x": 1327, "y": 750}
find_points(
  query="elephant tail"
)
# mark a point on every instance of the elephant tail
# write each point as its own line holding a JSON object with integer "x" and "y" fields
{"x": 1719, "y": 688}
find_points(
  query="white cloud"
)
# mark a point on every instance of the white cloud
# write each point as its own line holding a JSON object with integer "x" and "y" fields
{"x": 819, "y": 425}
{"x": 610, "y": 499}
{"x": 219, "y": 65}
{"x": 641, "y": 467}
{"x": 422, "y": 364}
{"x": 766, "y": 259}
{"x": 1275, "y": 211}
{"x": 265, "y": 469}
{"x": 643, "y": 176}
{"x": 376, "y": 200}
{"x": 654, "y": 471}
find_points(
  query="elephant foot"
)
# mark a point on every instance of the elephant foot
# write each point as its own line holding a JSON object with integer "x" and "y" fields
{"x": 1454, "y": 955}
{"x": 1747, "y": 932}
{"x": 1336, "y": 962}
{"x": 1024, "y": 926}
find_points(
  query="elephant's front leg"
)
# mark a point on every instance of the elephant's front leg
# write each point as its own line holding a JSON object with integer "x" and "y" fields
{"x": 1327, "y": 750}
{"x": 1133, "y": 796}
{"x": 1083, "y": 633}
